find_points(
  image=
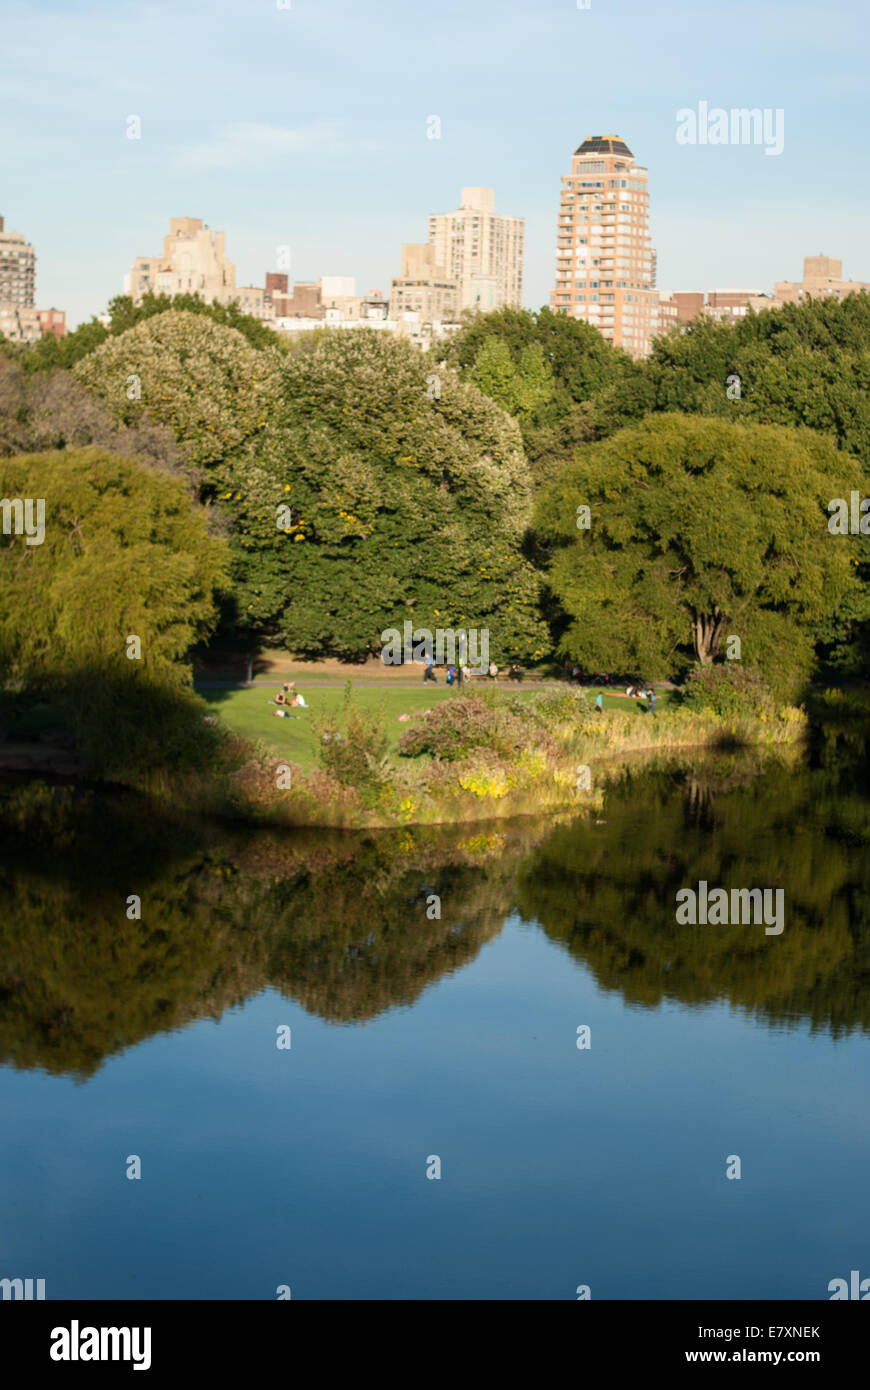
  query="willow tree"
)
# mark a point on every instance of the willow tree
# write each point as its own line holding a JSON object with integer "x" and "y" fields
{"x": 111, "y": 579}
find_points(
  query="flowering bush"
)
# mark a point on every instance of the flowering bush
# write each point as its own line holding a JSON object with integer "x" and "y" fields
{"x": 484, "y": 784}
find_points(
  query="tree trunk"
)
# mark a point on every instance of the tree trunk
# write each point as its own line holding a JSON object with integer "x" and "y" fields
{"x": 707, "y": 632}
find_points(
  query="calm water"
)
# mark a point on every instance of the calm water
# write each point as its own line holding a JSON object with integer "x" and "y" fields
{"x": 456, "y": 1037}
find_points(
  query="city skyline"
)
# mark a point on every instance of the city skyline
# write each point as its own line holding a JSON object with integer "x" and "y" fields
{"x": 271, "y": 124}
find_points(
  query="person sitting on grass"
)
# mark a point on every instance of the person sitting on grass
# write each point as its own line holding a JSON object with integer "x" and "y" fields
{"x": 293, "y": 698}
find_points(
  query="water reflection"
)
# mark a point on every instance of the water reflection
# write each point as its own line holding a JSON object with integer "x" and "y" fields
{"x": 340, "y": 924}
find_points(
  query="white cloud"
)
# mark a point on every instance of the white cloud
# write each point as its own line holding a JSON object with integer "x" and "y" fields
{"x": 255, "y": 145}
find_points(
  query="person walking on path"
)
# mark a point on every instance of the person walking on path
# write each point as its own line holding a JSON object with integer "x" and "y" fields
{"x": 429, "y": 673}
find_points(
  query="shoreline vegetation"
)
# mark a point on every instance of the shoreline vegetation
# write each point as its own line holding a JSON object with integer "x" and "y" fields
{"x": 466, "y": 759}
{"x": 568, "y": 767}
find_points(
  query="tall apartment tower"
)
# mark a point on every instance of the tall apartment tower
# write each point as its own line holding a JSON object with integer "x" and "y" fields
{"x": 17, "y": 269}
{"x": 603, "y": 252}
{"x": 483, "y": 252}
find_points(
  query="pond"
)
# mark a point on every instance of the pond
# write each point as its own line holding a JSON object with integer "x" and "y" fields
{"x": 454, "y": 1063}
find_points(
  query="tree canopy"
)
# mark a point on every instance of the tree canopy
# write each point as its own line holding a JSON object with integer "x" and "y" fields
{"x": 546, "y": 369}
{"x": 698, "y": 531}
{"x": 364, "y": 487}
{"x": 125, "y": 554}
{"x": 803, "y": 365}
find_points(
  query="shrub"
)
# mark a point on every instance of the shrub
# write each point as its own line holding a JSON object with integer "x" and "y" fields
{"x": 355, "y": 755}
{"x": 728, "y": 690}
{"x": 457, "y": 727}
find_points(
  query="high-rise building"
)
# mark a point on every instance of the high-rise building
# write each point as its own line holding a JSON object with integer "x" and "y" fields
{"x": 20, "y": 321}
{"x": 481, "y": 251}
{"x": 603, "y": 253}
{"x": 425, "y": 291}
{"x": 17, "y": 269}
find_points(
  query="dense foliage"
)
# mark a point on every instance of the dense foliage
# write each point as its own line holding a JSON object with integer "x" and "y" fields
{"x": 125, "y": 554}
{"x": 804, "y": 365}
{"x": 700, "y": 531}
{"x": 544, "y": 368}
{"x": 363, "y": 485}
{"x": 364, "y": 489}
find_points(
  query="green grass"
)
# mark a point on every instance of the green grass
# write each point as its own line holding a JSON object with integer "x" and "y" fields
{"x": 248, "y": 712}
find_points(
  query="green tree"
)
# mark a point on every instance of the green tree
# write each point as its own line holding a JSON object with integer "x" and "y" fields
{"x": 803, "y": 365}
{"x": 520, "y": 388}
{"x": 404, "y": 494}
{"x": 206, "y": 382}
{"x": 407, "y": 496}
{"x": 125, "y": 554}
{"x": 701, "y": 530}
{"x": 546, "y": 369}
{"x": 123, "y": 314}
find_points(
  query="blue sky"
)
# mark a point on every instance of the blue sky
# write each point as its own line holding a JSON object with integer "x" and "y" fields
{"x": 307, "y": 127}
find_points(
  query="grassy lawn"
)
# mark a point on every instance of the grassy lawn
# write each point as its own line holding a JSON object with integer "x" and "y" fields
{"x": 249, "y": 712}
